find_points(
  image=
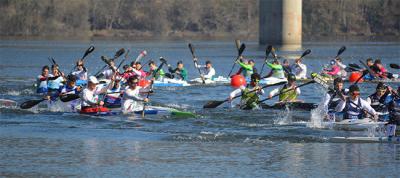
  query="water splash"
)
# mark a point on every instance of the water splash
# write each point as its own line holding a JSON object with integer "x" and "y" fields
{"x": 318, "y": 114}
{"x": 284, "y": 117}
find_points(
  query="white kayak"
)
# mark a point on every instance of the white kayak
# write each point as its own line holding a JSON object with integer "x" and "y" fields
{"x": 220, "y": 80}
{"x": 355, "y": 124}
{"x": 367, "y": 139}
{"x": 166, "y": 82}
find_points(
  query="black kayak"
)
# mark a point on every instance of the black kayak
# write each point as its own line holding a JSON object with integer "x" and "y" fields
{"x": 291, "y": 105}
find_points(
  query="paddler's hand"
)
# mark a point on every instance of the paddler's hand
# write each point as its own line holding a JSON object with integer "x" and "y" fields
{"x": 376, "y": 117}
{"x": 79, "y": 88}
{"x": 230, "y": 99}
{"x": 101, "y": 103}
{"x": 47, "y": 97}
{"x": 258, "y": 88}
{"x": 146, "y": 100}
{"x": 195, "y": 59}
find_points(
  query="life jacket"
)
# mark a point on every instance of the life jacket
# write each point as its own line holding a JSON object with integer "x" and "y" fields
{"x": 352, "y": 112}
{"x": 335, "y": 99}
{"x": 94, "y": 110}
{"x": 249, "y": 99}
{"x": 378, "y": 103}
{"x": 287, "y": 95}
{"x": 394, "y": 112}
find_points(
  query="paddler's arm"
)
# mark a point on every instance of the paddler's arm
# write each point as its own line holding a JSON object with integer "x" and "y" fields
{"x": 236, "y": 92}
{"x": 273, "y": 92}
{"x": 245, "y": 66}
{"x": 184, "y": 74}
{"x": 340, "y": 106}
{"x": 367, "y": 107}
{"x": 210, "y": 74}
{"x": 274, "y": 66}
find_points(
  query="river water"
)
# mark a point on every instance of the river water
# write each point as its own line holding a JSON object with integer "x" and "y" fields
{"x": 220, "y": 142}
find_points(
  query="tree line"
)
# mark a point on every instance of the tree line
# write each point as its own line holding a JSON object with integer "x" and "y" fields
{"x": 182, "y": 18}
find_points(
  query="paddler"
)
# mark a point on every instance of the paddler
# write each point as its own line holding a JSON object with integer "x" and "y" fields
{"x": 353, "y": 106}
{"x": 370, "y": 64}
{"x": 112, "y": 98}
{"x": 80, "y": 71}
{"x": 246, "y": 67}
{"x": 109, "y": 72}
{"x": 71, "y": 88}
{"x": 394, "y": 113}
{"x": 131, "y": 99}
{"x": 139, "y": 71}
{"x": 286, "y": 67}
{"x": 41, "y": 80}
{"x": 208, "y": 70}
{"x": 180, "y": 71}
{"x": 380, "y": 70}
{"x": 276, "y": 70}
{"x": 334, "y": 71}
{"x": 380, "y": 101}
{"x": 54, "y": 82}
{"x": 342, "y": 67}
{"x": 299, "y": 69}
{"x": 289, "y": 91}
{"x": 333, "y": 98}
{"x": 153, "y": 67}
{"x": 90, "y": 101}
{"x": 250, "y": 94}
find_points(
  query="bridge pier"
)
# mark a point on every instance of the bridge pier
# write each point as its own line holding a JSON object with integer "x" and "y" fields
{"x": 280, "y": 22}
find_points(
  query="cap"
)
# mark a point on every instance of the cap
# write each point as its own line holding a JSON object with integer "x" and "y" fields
{"x": 291, "y": 77}
{"x": 251, "y": 60}
{"x": 93, "y": 79}
{"x": 179, "y": 62}
{"x": 208, "y": 62}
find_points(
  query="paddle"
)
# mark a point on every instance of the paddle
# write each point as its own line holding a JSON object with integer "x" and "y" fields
{"x": 240, "y": 51}
{"x": 87, "y": 52}
{"x": 141, "y": 55}
{"x": 237, "y": 43}
{"x": 30, "y": 103}
{"x": 117, "y": 54}
{"x": 195, "y": 62}
{"x": 304, "y": 84}
{"x": 267, "y": 51}
{"x": 353, "y": 65}
{"x": 341, "y": 50}
{"x": 214, "y": 104}
{"x": 163, "y": 61}
{"x": 69, "y": 97}
{"x": 123, "y": 60}
{"x": 394, "y": 66}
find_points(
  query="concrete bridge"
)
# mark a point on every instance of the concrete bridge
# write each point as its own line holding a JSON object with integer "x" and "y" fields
{"x": 280, "y": 22}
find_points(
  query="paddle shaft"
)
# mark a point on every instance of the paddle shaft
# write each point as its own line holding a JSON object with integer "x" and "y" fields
{"x": 304, "y": 84}
{"x": 195, "y": 62}
{"x": 151, "y": 86}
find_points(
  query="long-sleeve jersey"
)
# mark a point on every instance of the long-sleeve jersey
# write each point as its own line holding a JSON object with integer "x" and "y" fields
{"x": 363, "y": 105}
{"x": 277, "y": 70}
{"x": 131, "y": 100}
{"x": 208, "y": 73}
{"x": 300, "y": 70}
{"x": 91, "y": 98}
{"x": 80, "y": 74}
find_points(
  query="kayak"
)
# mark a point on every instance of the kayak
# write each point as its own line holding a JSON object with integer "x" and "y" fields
{"x": 291, "y": 106}
{"x": 170, "y": 83}
{"x": 354, "y": 124}
{"x": 150, "y": 110}
{"x": 270, "y": 81}
{"x": 220, "y": 80}
{"x": 367, "y": 139}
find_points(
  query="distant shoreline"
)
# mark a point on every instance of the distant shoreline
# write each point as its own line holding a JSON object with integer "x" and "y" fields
{"x": 144, "y": 36}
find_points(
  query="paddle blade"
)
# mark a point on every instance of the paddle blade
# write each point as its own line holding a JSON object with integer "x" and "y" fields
{"x": 191, "y": 49}
{"x": 308, "y": 51}
{"x": 106, "y": 60}
{"x": 267, "y": 51}
{"x": 341, "y": 50}
{"x": 88, "y": 51}
{"x": 353, "y": 65}
{"x": 126, "y": 54}
{"x": 30, "y": 103}
{"x": 237, "y": 43}
{"x": 241, "y": 49}
{"x": 119, "y": 53}
{"x": 394, "y": 66}
{"x": 70, "y": 97}
{"x": 213, "y": 104}
{"x": 163, "y": 60}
